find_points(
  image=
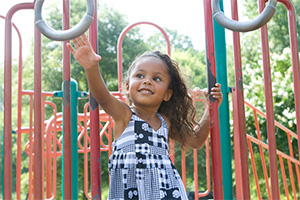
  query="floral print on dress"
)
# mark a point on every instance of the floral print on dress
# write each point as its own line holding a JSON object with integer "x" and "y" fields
{"x": 176, "y": 194}
{"x": 146, "y": 127}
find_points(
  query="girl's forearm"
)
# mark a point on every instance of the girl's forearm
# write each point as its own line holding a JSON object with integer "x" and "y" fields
{"x": 201, "y": 131}
{"x": 97, "y": 85}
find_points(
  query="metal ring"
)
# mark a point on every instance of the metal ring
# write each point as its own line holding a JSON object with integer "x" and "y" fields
{"x": 65, "y": 35}
{"x": 251, "y": 25}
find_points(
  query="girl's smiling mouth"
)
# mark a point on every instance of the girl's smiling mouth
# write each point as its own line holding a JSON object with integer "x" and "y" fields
{"x": 145, "y": 91}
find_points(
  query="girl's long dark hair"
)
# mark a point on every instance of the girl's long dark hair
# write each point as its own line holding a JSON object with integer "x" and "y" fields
{"x": 179, "y": 109}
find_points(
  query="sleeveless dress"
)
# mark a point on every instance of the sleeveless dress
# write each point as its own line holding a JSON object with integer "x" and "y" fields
{"x": 140, "y": 167}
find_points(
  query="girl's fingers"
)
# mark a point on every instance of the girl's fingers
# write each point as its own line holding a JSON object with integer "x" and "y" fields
{"x": 216, "y": 89}
{"x": 85, "y": 40}
{"x": 79, "y": 41}
{"x": 76, "y": 44}
{"x": 216, "y": 96}
{"x": 71, "y": 49}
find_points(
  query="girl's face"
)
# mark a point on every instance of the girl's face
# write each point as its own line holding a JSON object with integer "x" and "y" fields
{"x": 148, "y": 83}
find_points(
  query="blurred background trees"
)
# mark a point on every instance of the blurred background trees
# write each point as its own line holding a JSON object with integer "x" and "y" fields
{"x": 192, "y": 64}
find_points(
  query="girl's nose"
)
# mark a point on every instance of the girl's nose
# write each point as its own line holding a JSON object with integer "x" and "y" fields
{"x": 147, "y": 81}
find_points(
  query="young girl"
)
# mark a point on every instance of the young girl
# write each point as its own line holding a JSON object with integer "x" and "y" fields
{"x": 160, "y": 108}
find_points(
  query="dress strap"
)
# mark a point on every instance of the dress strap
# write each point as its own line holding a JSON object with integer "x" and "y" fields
{"x": 133, "y": 112}
{"x": 162, "y": 120}
{"x": 158, "y": 115}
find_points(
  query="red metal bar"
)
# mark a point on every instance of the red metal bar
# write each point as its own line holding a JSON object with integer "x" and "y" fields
{"x": 119, "y": 48}
{"x": 172, "y": 150}
{"x": 213, "y": 106}
{"x": 19, "y": 123}
{"x": 111, "y": 122}
{"x": 44, "y": 94}
{"x": 292, "y": 179}
{"x": 51, "y": 162}
{"x": 284, "y": 178}
{"x": 208, "y": 177}
{"x": 85, "y": 122}
{"x": 296, "y": 70}
{"x": 183, "y": 167}
{"x": 256, "y": 141}
{"x": 195, "y": 173}
{"x": 289, "y": 163}
{"x": 30, "y": 170}
{"x": 262, "y": 154}
{"x": 254, "y": 169}
{"x": 67, "y": 107}
{"x": 38, "y": 131}
{"x": 280, "y": 154}
{"x": 240, "y": 141}
{"x": 269, "y": 109}
{"x": 7, "y": 99}
{"x": 43, "y": 134}
{"x": 103, "y": 132}
{"x": 48, "y": 162}
{"x": 94, "y": 134}
{"x": 240, "y": 151}
{"x": 276, "y": 123}
{"x": 7, "y": 172}
{"x": 295, "y": 64}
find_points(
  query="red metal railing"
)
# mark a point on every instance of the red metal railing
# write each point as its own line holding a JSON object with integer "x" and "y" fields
{"x": 241, "y": 138}
{"x": 8, "y": 98}
{"x": 54, "y": 125}
{"x": 52, "y": 147}
{"x": 293, "y": 163}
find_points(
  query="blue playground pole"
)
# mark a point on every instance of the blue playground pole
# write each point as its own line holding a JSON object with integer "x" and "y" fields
{"x": 221, "y": 65}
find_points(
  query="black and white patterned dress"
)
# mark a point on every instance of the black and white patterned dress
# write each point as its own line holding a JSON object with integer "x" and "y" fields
{"x": 140, "y": 166}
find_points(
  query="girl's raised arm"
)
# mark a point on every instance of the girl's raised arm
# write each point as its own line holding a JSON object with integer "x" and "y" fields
{"x": 89, "y": 60}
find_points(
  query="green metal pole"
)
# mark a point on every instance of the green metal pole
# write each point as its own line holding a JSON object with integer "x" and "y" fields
{"x": 75, "y": 94}
{"x": 221, "y": 65}
{"x": 74, "y": 134}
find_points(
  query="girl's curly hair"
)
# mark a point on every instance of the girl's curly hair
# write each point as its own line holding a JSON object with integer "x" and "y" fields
{"x": 179, "y": 108}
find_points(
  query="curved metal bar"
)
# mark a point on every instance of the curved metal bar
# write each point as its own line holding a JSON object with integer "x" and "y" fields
{"x": 65, "y": 35}
{"x": 251, "y": 25}
{"x": 120, "y": 42}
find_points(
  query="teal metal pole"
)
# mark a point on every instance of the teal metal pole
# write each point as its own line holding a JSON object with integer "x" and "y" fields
{"x": 221, "y": 65}
{"x": 74, "y": 134}
{"x": 75, "y": 94}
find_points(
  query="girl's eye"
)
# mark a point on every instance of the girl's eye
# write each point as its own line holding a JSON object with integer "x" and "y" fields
{"x": 139, "y": 76}
{"x": 157, "y": 79}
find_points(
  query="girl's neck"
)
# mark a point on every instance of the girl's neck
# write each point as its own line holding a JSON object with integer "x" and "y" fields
{"x": 148, "y": 115}
{"x": 145, "y": 113}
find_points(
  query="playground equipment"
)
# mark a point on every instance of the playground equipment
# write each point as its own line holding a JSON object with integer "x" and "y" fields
{"x": 251, "y": 25}
{"x": 65, "y": 35}
{"x": 45, "y": 130}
